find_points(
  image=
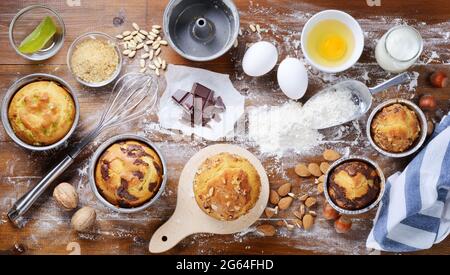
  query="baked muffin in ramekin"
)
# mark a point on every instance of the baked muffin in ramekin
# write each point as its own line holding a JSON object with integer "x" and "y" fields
{"x": 397, "y": 128}
{"x": 354, "y": 185}
{"x": 128, "y": 173}
{"x": 41, "y": 113}
{"x": 226, "y": 186}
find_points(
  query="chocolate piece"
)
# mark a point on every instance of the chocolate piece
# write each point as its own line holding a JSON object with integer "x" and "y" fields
{"x": 185, "y": 99}
{"x": 220, "y": 104}
{"x": 179, "y": 95}
{"x": 200, "y": 104}
{"x": 204, "y": 93}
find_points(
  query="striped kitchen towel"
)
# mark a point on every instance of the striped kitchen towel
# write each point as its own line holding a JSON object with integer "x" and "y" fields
{"x": 414, "y": 213}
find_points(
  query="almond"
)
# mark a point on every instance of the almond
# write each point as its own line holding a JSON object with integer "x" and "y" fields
{"x": 303, "y": 197}
{"x": 308, "y": 221}
{"x": 267, "y": 230}
{"x": 321, "y": 178}
{"x": 285, "y": 202}
{"x": 270, "y": 212}
{"x": 284, "y": 189}
{"x": 324, "y": 166}
{"x": 331, "y": 155}
{"x": 274, "y": 198}
{"x": 314, "y": 169}
{"x": 320, "y": 188}
{"x": 302, "y": 170}
{"x": 311, "y": 201}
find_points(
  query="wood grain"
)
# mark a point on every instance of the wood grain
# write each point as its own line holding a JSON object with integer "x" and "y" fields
{"x": 48, "y": 230}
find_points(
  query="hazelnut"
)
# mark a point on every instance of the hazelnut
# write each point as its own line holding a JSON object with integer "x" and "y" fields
{"x": 329, "y": 213}
{"x": 343, "y": 224}
{"x": 427, "y": 102}
{"x": 83, "y": 219}
{"x": 439, "y": 79}
{"x": 66, "y": 196}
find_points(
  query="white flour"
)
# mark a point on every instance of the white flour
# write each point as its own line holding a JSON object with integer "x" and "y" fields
{"x": 291, "y": 126}
{"x": 277, "y": 129}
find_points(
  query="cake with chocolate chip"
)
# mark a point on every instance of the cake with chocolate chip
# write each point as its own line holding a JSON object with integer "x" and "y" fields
{"x": 354, "y": 185}
{"x": 128, "y": 174}
{"x": 226, "y": 186}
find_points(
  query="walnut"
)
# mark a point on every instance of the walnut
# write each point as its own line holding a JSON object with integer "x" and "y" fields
{"x": 66, "y": 196}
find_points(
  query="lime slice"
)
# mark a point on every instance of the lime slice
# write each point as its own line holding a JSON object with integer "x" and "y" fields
{"x": 37, "y": 40}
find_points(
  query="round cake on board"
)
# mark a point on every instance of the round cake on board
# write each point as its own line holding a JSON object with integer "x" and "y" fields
{"x": 226, "y": 186}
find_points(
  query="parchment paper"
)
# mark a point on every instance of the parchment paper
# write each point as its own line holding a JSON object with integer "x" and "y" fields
{"x": 182, "y": 77}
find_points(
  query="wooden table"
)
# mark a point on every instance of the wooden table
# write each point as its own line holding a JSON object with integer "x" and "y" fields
{"x": 48, "y": 229}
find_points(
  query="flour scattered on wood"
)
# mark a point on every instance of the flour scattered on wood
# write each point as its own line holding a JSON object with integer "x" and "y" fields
{"x": 293, "y": 126}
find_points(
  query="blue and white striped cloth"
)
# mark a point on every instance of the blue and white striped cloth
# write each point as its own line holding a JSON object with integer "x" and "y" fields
{"x": 414, "y": 213}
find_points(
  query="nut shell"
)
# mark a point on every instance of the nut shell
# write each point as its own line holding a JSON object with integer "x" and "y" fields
{"x": 83, "y": 219}
{"x": 66, "y": 196}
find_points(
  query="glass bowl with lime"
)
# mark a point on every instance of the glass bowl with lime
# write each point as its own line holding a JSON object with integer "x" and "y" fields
{"x": 37, "y": 32}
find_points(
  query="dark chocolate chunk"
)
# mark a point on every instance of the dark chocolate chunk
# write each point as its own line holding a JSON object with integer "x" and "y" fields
{"x": 179, "y": 95}
{"x": 104, "y": 170}
{"x": 138, "y": 174}
{"x": 122, "y": 191}
{"x": 140, "y": 162}
{"x": 152, "y": 186}
{"x": 220, "y": 104}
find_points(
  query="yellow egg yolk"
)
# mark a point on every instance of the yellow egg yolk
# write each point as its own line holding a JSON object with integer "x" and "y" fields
{"x": 333, "y": 47}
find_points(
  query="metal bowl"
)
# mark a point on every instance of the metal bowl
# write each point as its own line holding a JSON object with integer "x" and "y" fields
{"x": 15, "y": 87}
{"x": 100, "y": 36}
{"x": 423, "y": 128}
{"x": 100, "y": 151}
{"x": 24, "y": 23}
{"x": 365, "y": 209}
{"x": 201, "y": 30}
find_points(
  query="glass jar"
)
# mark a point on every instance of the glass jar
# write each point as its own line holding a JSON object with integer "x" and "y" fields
{"x": 399, "y": 49}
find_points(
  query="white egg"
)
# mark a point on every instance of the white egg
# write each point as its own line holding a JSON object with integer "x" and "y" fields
{"x": 260, "y": 59}
{"x": 292, "y": 78}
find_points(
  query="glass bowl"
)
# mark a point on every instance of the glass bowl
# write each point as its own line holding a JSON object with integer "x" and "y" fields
{"x": 26, "y": 20}
{"x": 100, "y": 36}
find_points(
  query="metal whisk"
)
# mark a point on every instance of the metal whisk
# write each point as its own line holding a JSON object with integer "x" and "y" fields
{"x": 133, "y": 96}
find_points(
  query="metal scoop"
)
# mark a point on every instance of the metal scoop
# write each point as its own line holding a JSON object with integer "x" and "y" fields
{"x": 361, "y": 95}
